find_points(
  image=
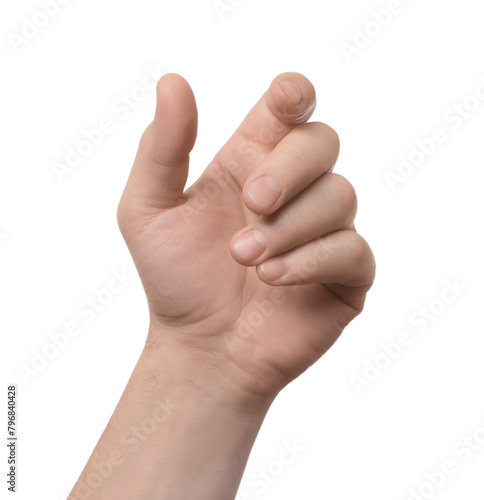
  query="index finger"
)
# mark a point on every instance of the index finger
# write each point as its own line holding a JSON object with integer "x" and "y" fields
{"x": 289, "y": 101}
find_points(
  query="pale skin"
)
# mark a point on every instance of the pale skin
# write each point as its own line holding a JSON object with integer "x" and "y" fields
{"x": 233, "y": 317}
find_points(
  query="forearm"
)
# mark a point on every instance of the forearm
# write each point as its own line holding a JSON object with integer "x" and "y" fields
{"x": 173, "y": 435}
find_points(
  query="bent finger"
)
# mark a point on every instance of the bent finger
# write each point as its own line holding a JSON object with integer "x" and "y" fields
{"x": 342, "y": 257}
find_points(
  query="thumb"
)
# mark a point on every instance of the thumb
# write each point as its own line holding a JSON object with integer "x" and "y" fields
{"x": 160, "y": 170}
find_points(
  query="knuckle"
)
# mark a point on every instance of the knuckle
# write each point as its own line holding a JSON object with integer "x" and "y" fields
{"x": 343, "y": 192}
{"x": 360, "y": 253}
{"x": 327, "y": 134}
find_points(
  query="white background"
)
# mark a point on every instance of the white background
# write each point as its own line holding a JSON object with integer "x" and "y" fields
{"x": 60, "y": 243}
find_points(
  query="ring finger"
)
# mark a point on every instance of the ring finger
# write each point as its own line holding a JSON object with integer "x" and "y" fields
{"x": 327, "y": 205}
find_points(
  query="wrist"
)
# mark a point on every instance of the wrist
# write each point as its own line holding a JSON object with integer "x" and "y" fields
{"x": 184, "y": 432}
{"x": 213, "y": 424}
{"x": 195, "y": 369}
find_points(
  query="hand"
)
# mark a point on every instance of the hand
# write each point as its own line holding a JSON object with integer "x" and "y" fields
{"x": 255, "y": 270}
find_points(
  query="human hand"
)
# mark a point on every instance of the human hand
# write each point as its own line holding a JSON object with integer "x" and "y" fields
{"x": 253, "y": 313}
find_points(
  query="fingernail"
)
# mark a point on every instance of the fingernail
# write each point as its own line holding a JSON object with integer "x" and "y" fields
{"x": 265, "y": 191}
{"x": 251, "y": 245}
{"x": 292, "y": 91}
{"x": 274, "y": 269}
